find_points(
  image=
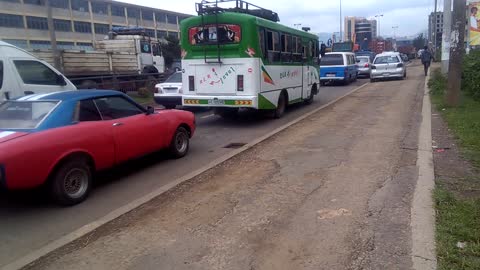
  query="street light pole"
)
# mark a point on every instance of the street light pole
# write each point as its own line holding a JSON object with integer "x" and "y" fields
{"x": 394, "y": 31}
{"x": 340, "y": 37}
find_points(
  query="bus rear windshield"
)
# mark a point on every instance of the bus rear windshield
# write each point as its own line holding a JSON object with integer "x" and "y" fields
{"x": 213, "y": 34}
{"x": 332, "y": 60}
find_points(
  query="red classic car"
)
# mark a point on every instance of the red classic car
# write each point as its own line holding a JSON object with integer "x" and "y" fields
{"x": 61, "y": 139}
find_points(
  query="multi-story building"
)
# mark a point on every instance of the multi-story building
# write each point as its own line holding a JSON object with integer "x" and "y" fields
{"x": 361, "y": 30}
{"x": 78, "y": 23}
{"x": 435, "y": 20}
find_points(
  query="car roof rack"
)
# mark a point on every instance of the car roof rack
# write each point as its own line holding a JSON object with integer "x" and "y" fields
{"x": 213, "y": 7}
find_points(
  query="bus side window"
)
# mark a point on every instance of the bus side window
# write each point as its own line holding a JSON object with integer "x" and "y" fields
{"x": 297, "y": 50}
{"x": 261, "y": 39}
{"x": 286, "y": 48}
{"x": 273, "y": 46}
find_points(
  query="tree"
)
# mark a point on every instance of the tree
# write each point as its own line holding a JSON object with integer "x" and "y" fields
{"x": 171, "y": 50}
{"x": 419, "y": 42}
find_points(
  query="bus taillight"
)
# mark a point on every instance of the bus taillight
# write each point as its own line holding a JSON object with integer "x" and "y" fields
{"x": 191, "y": 83}
{"x": 239, "y": 82}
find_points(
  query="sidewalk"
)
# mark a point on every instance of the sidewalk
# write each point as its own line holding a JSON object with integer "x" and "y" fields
{"x": 331, "y": 192}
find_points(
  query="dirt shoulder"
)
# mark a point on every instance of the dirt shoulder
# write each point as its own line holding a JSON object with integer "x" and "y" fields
{"x": 331, "y": 192}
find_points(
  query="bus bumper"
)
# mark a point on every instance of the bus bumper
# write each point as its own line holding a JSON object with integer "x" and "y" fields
{"x": 220, "y": 101}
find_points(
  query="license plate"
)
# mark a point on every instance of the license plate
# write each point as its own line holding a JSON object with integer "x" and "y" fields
{"x": 330, "y": 75}
{"x": 216, "y": 102}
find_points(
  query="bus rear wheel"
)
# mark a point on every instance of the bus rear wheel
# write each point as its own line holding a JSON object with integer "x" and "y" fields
{"x": 281, "y": 106}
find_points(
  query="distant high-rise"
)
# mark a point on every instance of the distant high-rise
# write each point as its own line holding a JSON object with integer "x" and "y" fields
{"x": 435, "y": 19}
{"x": 360, "y": 30}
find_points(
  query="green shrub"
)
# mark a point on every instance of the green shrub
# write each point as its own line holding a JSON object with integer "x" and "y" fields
{"x": 437, "y": 83}
{"x": 471, "y": 75}
{"x": 144, "y": 92}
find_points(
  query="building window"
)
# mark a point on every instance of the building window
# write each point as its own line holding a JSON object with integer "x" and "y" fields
{"x": 172, "y": 19}
{"x": 8, "y": 20}
{"x": 80, "y": 5}
{"x": 150, "y": 32}
{"x": 133, "y": 12}
{"x": 118, "y": 11}
{"x": 82, "y": 27}
{"x": 147, "y": 15}
{"x": 40, "y": 44}
{"x": 160, "y": 17}
{"x": 86, "y": 46}
{"x": 65, "y": 45}
{"x": 101, "y": 28}
{"x": 161, "y": 34}
{"x": 99, "y": 8}
{"x": 59, "y": 4}
{"x": 173, "y": 34}
{"x": 17, "y": 42}
{"x": 62, "y": 25}
{"x": 31, "y": 2}
{"x": 37, "y": 23}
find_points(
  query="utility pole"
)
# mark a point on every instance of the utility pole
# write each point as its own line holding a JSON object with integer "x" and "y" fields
{"x": 53, "y": 38}
{"x": 457, "y": 51}
{"x": 435, "y": 27}
{"x": 447, "y": 28}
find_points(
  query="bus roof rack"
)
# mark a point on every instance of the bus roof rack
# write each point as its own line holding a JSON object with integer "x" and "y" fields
{"x": 239, "y": 6}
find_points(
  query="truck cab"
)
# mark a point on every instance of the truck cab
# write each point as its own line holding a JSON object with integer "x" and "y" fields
{"x": 21, "y": 74}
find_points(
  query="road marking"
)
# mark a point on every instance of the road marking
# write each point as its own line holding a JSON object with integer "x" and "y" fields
{"x": 88, "y": 228}
{"x": 207, "y": 116}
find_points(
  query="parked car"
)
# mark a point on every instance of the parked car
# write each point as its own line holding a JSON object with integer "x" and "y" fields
{"x": 388, "y": 65}
{"x": 22, "y": 74}
{"x": 169, "y": 93}
{"x": 338, "y": 66}
{"x": 60, "y": 139}
{"x": 404, "y": 57}
{"x": 364, "y": 66}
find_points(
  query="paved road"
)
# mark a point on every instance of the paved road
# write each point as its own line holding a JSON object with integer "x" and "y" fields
{"x": 333, "y": 191}
{"x": 28, "y": 222}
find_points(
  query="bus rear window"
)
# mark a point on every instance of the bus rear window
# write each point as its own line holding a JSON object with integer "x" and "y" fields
{"x": 332, "y": 60}
{"x": 210, "y": 34}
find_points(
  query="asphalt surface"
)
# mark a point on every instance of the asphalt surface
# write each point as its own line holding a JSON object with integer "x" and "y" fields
{"x": 29, "y": 221}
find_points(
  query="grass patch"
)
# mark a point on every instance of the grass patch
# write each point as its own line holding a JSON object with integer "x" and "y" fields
{"x": 463, "y": 120}
{"x": 458, "y": 221}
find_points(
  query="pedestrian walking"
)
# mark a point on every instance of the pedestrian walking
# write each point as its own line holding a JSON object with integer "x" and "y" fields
{"x": 427, "y": 58}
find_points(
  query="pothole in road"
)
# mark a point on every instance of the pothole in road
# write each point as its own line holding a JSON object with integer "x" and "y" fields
{"x": 234, "y": 145}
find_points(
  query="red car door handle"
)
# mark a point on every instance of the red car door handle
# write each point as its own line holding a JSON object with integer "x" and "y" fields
{"x": 117, "y": 124}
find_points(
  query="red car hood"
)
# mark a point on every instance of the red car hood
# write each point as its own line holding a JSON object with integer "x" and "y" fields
{"x": 10, "y": 135}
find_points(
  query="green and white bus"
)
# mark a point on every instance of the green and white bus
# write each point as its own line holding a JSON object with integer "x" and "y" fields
{"x": 240, "y": 57}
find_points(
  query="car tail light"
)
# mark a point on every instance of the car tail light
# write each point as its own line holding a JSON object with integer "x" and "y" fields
{"x": 240, "y": 83}
{"x": 366, "y": 65}
{"x": 191, "y": 83}
{"x": 158, "y": 90}
{"x": 400, "y": 65}
{"x": 374, "y": 67}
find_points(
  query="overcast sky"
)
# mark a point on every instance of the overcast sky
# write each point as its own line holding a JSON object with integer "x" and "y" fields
{"x": 411, "y": 16}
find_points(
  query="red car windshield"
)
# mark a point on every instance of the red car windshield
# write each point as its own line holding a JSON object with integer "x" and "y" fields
{"x": 24, "y": 114}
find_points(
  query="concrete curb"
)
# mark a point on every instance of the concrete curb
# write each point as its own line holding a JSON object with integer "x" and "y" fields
{"x": 88, "y": 228}
{"x": 422, "y": 212}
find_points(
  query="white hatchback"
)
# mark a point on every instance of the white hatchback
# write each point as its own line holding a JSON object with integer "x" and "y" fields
{"x": 169, "y": 93}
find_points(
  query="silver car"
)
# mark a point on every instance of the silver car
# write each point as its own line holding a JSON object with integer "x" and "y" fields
{"x": 364, "y": 66}
{"x": 388, "y": 65}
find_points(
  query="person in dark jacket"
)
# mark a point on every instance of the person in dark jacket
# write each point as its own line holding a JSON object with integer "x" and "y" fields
{"x": 426, "y": 58}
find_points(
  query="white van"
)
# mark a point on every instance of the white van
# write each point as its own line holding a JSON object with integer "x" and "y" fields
{"x": 22, "y": 73}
